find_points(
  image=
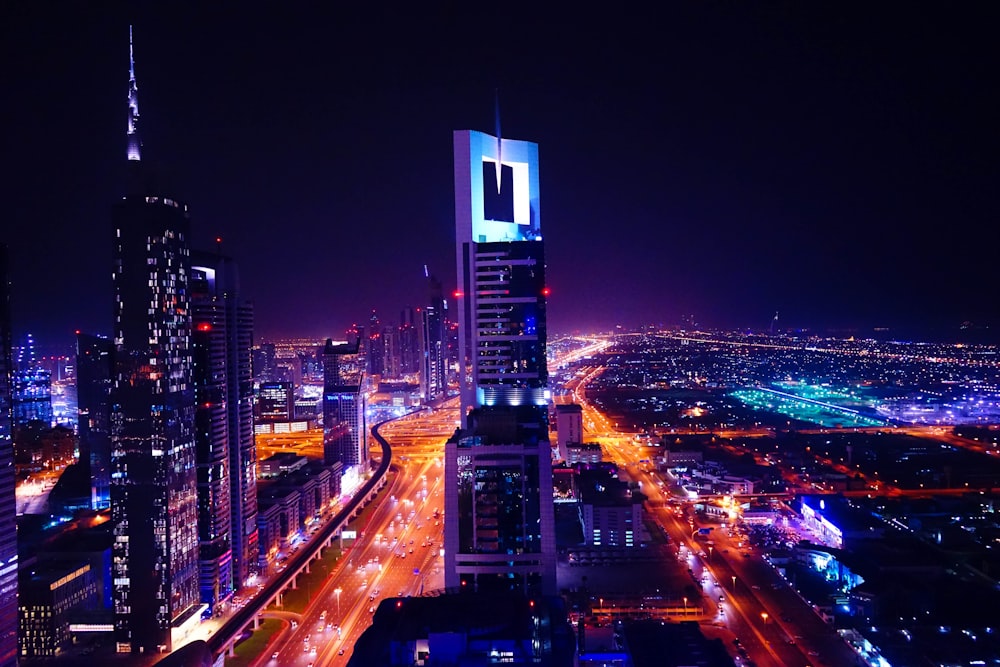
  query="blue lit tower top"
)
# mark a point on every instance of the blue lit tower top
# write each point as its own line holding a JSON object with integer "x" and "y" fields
{"x": 501, "y": 294}
{"x": 134, "y": 144}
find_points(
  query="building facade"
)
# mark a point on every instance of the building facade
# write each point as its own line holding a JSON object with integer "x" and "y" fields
{"x": 344, "y": 428}
{"x": 433, "y": 344}
{"x": 227, "y": 477}
{"x": 93, "y": 388}
{"x": 8, "y": 505}
{"x": 276, "y": 401}
{"x": 569, "y": 427}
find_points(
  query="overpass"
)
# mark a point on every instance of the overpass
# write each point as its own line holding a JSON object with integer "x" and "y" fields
{"x": 224, "y": 639}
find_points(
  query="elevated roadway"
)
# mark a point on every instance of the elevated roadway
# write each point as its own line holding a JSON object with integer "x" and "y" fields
{"x": 224, "y": 639}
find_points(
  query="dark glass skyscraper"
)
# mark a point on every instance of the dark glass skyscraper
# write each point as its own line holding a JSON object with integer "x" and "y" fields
{"x": 153, "y": 462}
{"x": 8, "y": 507}
{"x": 93, "y": 387}
{"x": 433, "y": 346}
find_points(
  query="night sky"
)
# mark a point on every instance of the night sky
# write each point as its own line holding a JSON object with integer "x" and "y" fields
{"x": 834, "y": 162}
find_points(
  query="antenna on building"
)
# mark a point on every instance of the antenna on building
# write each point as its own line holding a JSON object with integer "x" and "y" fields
{"x": 774, "y": 321}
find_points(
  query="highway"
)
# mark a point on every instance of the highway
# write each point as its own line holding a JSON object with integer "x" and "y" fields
{"x": 398, "y": 553}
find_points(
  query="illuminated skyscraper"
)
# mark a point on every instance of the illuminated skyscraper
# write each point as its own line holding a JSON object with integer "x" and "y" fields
{"x": 501, "y": 272}
{"x": 433, "y": 345}
{"x": 499, "y": 533}
{"x": 227, "y": 454}
{"x": 8, "y": 507}
{"x": 153, "y": 472}
{"x": 32, "y": 396}
{"x": 344, "y": 428}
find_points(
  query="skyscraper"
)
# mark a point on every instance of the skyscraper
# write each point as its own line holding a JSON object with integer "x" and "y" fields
{"x": 500, "y": 531}
{"x": 93, "y": 385}
{"x": 501, "y": 272}
{"x": 344, "y": 429}
{"x": 433, "y": 346}
{"x": 153, "y": 476}
{"x": 227, "y": 455}
{"x": 8, "y": 507}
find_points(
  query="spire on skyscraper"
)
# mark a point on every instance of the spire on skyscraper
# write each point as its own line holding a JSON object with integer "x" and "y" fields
{"x": 499, "y": 140}
{"x": 134, "y": 144}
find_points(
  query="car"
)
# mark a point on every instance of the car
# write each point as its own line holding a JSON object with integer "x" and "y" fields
{"x": 340, "y": 652}
{"x": 274, "y": 656}
{"x": 371, "y": 610}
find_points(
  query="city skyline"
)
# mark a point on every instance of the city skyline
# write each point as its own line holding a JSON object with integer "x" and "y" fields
{"x": 725, "y": 163}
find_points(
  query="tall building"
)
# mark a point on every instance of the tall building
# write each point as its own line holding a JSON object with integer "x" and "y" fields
{"x": 344, "y": 429}
{"x": 153, "y": 460}
{"x": 264, "y": 365}
{"x": 433, "y": 344}
{"x": 276, "y": 402}
{"x": 501, "y": 272}
{"x": 8, "y": 506}
{"x": 31, "y": 386}
{"x": 93, "y": 387}
{"x": 376, "y": 347}
{"x": 500, "y": 531}
{"x": 569, "y": 427}
{"x": 500, "y": 528}
{"x": 227, "y": 453}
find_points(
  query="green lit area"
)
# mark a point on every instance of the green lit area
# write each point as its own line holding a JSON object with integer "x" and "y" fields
{"x": 823, "y": 406}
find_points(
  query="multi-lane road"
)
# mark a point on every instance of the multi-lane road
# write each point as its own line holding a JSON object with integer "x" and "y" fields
{"x": 396, "y": 553}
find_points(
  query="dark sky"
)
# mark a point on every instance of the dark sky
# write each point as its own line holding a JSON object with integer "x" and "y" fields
{"x": 836, "y": 162}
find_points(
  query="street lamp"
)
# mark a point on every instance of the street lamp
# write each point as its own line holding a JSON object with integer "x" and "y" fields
{"x": 685, "y": 606}
{"x": 763, "y": 615}
{"x": 337, "y": 592}
{"x": 734, "y": 583}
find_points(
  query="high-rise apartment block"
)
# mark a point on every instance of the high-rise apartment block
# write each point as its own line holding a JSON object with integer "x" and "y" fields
{"x": 227, "y": 509}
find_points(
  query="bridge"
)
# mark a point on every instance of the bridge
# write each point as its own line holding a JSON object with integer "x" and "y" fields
{"x": 224, "y": 640}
